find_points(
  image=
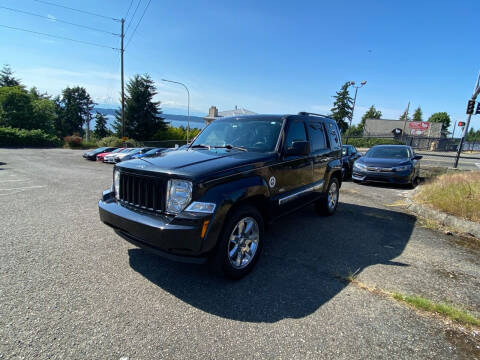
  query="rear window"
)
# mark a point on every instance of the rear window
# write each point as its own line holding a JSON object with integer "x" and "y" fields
{"x": 334, "y": 135}
{"x": 317, "y": 136}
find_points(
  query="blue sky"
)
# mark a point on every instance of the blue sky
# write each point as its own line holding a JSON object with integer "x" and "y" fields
{"x": 266, "y": 56}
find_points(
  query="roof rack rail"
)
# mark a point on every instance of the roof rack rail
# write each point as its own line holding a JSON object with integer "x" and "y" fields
{"x": 312, "y": 114}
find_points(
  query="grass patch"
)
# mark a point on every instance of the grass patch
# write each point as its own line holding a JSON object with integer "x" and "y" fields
{"x": 454, "y": 193}
{"x": 446, "y": 310}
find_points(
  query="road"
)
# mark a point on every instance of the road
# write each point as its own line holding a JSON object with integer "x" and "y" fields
{"x": 70, "y": 288}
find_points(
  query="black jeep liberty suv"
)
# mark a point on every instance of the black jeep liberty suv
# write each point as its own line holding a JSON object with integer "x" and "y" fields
{"x": 210, "y": 201}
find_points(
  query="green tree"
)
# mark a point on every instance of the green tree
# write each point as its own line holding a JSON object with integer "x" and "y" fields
{"x": 342, "y": 107}
{"x": 101, "y": 129}
{"x": 441, "y": 117}
{"x": 371, "y": 113}
{"x": 44, "y": 115}
{"x": 75, "y": 107}
{"x": 417, "y": 115}
{"x": 16, "y": 107}
{"x": 472, "y": 135}
{"x": 142, "y": 113}
{"x": 7, "y": 78}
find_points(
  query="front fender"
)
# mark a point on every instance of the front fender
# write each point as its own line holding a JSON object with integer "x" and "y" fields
{"x": 225, "y": 196}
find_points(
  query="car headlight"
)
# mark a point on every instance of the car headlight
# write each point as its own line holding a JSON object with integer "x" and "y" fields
{"x": 402, "y": 168}
{"x": 179, "y": 195}
{"x": 359, "y": 166}
{"x": 116, "y": 183}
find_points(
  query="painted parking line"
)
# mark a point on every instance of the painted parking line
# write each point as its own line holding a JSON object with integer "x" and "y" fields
{"x": 11, "y": 191}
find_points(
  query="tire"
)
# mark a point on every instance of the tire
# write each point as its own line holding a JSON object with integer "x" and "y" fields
{"x": 236, "y": 264}
{"x": 328, "y": 205}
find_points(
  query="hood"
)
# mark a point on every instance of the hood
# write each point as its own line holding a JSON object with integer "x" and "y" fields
{"x": 381, "y": 162}
{"x": 199, "y": 163}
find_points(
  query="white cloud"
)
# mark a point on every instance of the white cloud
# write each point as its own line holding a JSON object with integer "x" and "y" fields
{"x": 51, "y": 17}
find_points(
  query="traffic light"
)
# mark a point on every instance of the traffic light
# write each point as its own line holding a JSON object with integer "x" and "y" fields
{"x": 477, "y": 112}
{"x": 461, "y": 123}
{"x": 470, "y": 106}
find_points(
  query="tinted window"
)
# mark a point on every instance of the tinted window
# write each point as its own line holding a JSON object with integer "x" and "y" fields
{"x": 296, "y": 132}
{"x": 317, "y": 138}
{"x": 334, "y": 135}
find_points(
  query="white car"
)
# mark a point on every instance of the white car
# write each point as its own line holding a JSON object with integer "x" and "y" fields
{"x": 111, "y": 157}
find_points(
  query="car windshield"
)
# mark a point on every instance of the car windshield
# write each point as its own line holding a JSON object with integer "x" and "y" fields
{"x": 152, "y": 151}
{"x": 250, "y": 133}
{"x": 388, "y": 153}
{"x": 117, "y": 150}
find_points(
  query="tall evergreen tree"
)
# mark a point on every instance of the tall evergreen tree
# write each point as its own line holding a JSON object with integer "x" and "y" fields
{"x": 342, "y": 107}
{"x": 371, "y": 113}
{"x": 142, "y": 113}
{"x": 417, "y": 115}
{"x": 7, "y": 78}
{"x": 76, "y": 105}
{"x": 101, "y": 129}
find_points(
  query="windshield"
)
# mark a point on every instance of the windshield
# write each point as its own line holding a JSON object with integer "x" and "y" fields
{"x": 252, "y": 134}
{"x": 388, "y": 153}
{"x": 117, "y": 150}
{"x": 152, "y": 152}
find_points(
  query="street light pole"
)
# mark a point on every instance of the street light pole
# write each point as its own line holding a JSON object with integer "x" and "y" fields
{"x": 122, "y": 50}
{"x": 188, "y": 104}
{"x": 352, "y": 83}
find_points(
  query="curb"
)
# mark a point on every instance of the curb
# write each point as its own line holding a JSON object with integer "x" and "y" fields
{"x": 451, "y": 221}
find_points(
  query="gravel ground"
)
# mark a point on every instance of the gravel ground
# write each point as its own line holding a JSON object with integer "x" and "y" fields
{"x": 70, "y": 288}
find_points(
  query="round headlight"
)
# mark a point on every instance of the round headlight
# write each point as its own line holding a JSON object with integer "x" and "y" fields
{"x": 179, "y": 195}
{"x": 116, "y": 183}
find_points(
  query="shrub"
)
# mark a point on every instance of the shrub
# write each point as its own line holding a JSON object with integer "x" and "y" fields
{"x": 74, "y": 141}
{"x": 30, "y": 138}
{"x": 113, "y": 141}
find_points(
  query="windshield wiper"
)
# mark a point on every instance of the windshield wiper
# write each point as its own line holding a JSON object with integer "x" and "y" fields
{"x": 228, "y": 146}
{"x": 202, "y": 146}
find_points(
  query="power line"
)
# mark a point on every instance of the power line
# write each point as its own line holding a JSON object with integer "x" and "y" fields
{"x": 58, "y": 20}
{"x": 59, "y": 37}
{"x": 133, "y": 16}
{"x": 128, "y": 11}
{"x": 77, "y": 10}
{"x": 139, "y": 21}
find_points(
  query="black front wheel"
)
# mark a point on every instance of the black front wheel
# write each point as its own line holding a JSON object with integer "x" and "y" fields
{"x": 328, "y": 205}
{"x": 240, "y": 243}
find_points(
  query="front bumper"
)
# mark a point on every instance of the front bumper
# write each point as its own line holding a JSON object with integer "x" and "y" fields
{"x": 400, "y": 177}
{"x": 176, "y": 238}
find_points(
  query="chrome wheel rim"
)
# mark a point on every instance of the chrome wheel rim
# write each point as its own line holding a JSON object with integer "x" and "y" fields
{"x": 243, "y": 243}
{"x": 332, "y": 195}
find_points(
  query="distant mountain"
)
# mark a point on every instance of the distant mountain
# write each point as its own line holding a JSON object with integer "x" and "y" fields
{"x": 109, "y": 111}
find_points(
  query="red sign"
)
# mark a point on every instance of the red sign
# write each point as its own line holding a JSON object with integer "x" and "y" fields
{"x": 419, "y": 125}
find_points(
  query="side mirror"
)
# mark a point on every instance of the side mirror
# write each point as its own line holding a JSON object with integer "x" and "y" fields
{"x": 417, "y": 157}
{"x": 299, "y": 148}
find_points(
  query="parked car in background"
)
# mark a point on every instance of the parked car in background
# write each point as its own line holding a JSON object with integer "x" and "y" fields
{"x": 150, "y": 153}
{"x": 396, "y": 164}
{"x": 211, "y": 200}
{"x": 129, "y": 155}
{"x": 101, "y": 156}
{"x": 92, "y": 154}
{"x": 111, "y": 158}
{"x": 349, "y": 155}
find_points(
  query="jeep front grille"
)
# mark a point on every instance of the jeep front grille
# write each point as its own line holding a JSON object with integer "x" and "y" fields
{"x": 145, "y": 192}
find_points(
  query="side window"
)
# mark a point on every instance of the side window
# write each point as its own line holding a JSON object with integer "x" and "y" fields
{"x": 296, "y": 132}
{"x": 334, "y": 135}
{"x": 317, "y": 136}
{"x": 354, "y": 150}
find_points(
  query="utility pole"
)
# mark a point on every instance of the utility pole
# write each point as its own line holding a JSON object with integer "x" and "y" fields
{"x": 476, "y": 91}
{"x": 406, "y": 119}
{"x": 122, "y": 50}
{"x": 352, "y": 83}
{"x": 88, "y": 124}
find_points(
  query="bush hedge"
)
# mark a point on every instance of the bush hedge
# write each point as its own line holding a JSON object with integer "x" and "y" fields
{"x": 30, "y": 138}
{"x": 113, "y": 141}
{"x": 369, "y": 142}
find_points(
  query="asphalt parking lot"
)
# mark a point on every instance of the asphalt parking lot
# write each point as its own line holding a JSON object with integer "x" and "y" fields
{"x": 70, "y": 288}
